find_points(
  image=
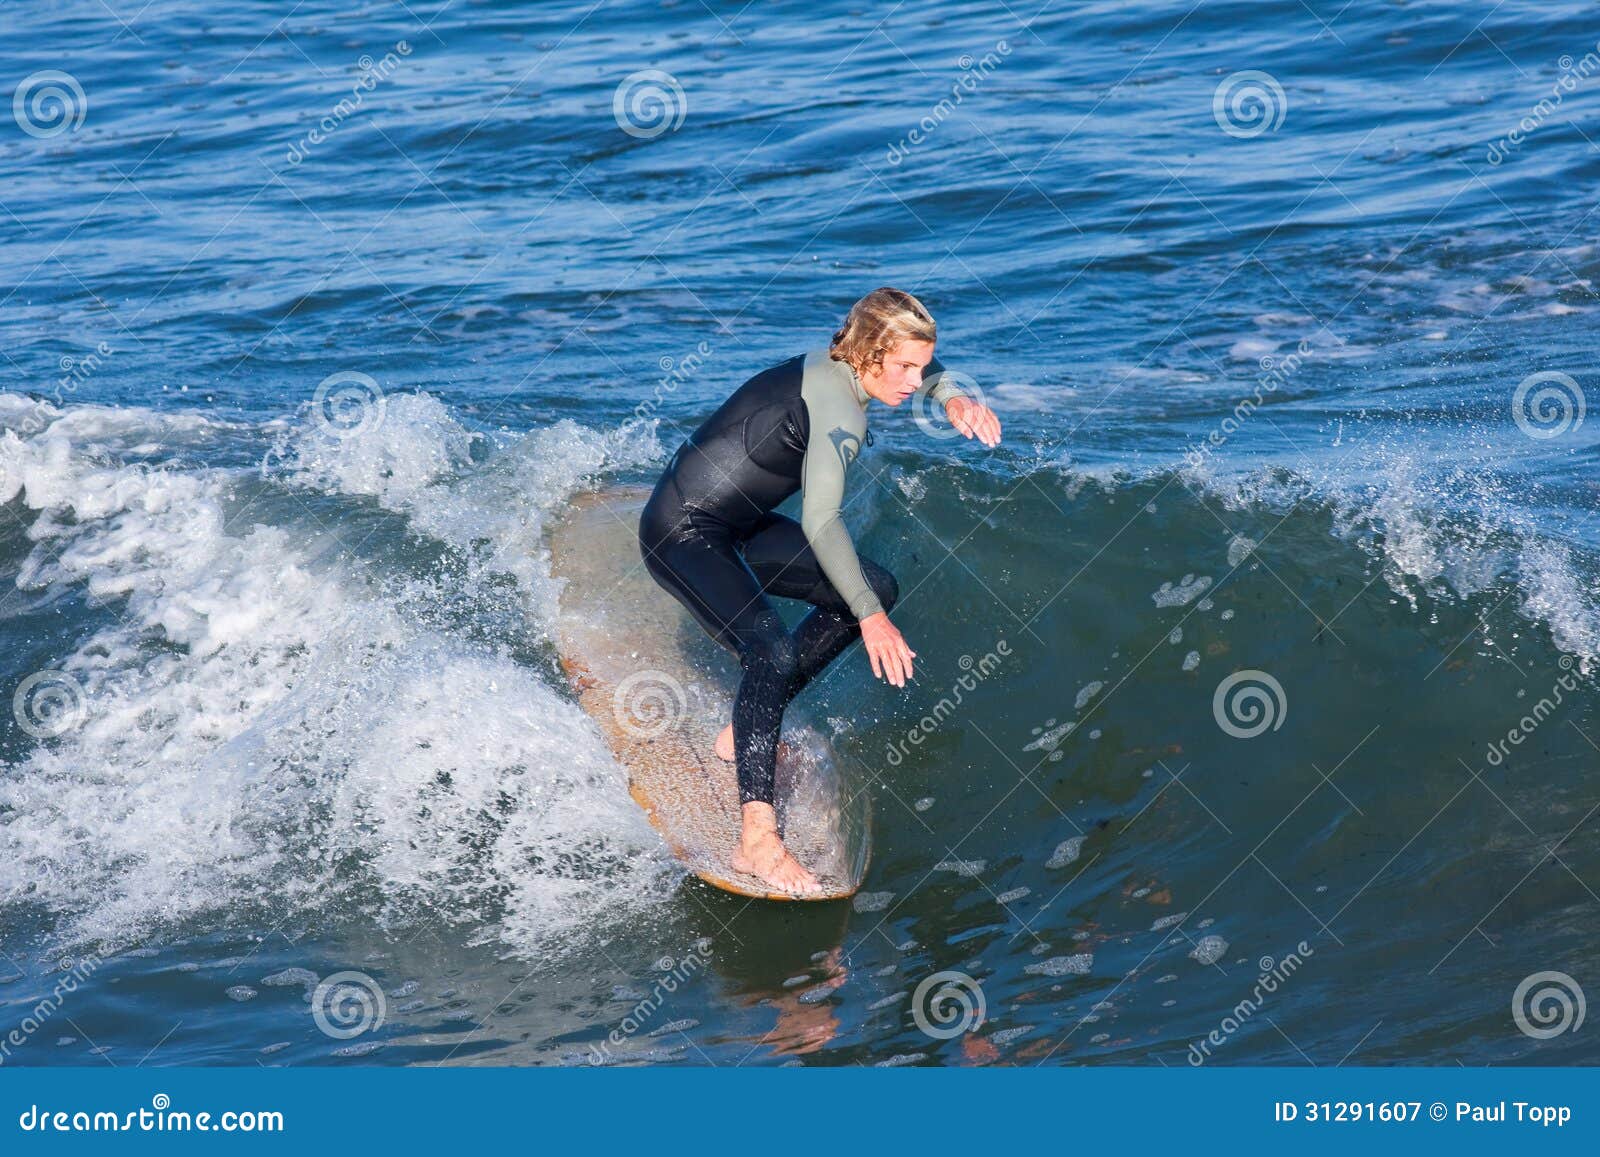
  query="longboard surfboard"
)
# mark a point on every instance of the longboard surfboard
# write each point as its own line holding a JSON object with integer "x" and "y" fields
{"x": 653, "y": 682}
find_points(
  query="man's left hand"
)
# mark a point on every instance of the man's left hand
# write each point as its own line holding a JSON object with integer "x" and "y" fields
{"x": 973, "y": 419}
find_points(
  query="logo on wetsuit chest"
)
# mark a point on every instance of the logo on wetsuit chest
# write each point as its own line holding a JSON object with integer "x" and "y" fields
{"x": 846, "y": 443}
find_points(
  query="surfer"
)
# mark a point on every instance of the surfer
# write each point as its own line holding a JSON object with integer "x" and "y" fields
{"x": 709, "y": 535}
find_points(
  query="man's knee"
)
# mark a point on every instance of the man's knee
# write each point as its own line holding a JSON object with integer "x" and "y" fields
{"x": 883, "y": 585}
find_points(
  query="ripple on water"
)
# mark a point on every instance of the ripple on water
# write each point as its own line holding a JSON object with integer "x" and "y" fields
{"x": 1006, "y": 1035}
{"x": 1067, "y": 851}
{"x": 1209, "y": 949}
{"x": 672, "y": 1026}
{"x": 1188, "y": 589}
{"x": 292, "y": 976}
{"x": 901, "y": 1059}
{"x": 1078, "y": 964}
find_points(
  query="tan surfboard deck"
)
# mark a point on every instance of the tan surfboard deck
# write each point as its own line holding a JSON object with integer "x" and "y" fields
{"x": 660, "y": 691}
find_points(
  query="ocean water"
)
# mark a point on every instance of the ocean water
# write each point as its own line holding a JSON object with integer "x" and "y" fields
{"x": 1273, "y": 620}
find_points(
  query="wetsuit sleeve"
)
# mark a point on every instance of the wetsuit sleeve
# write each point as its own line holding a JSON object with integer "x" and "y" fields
{"x": 939, "y": 385}
{"x": 834, "y": 441}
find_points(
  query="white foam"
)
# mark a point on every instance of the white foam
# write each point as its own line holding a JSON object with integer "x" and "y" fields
{"x": 1078, "y": 964}
{"x": 265, "y": 728}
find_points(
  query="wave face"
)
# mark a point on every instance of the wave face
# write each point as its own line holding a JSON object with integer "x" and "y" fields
{"x": 313, "y": 323}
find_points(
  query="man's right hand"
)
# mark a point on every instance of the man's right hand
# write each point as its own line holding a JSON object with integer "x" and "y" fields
{"x": 886, "y": 647}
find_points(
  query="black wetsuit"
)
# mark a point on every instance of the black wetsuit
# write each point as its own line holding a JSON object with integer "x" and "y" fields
{"x": 709, "y": 535}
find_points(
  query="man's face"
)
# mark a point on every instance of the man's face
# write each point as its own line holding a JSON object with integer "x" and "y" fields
{"x": 901, "y": 373}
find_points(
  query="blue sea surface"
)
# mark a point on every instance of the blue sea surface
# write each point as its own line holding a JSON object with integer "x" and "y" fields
{"x": 315, "y": 319}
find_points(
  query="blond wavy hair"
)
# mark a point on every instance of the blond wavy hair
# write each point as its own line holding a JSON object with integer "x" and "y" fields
{"x": 876, "y": 324}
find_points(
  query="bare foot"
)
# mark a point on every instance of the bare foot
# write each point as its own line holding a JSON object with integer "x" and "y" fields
{"x": 763, "y": 856}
